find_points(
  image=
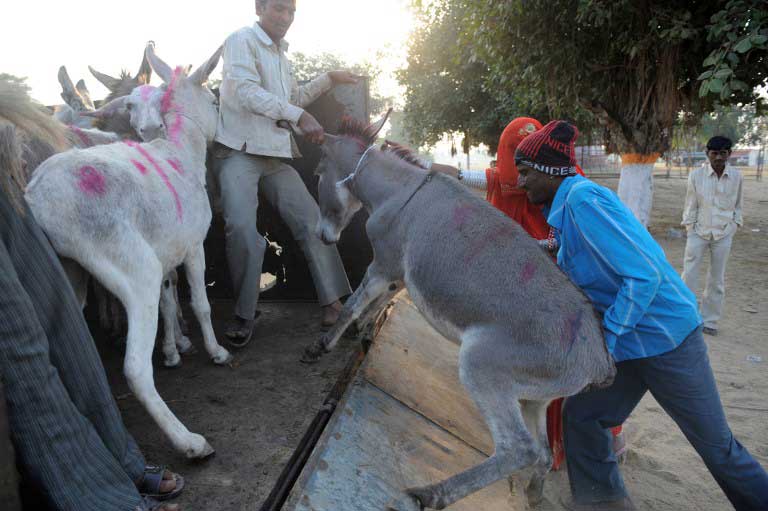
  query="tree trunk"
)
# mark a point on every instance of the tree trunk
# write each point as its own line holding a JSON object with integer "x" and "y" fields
{"x": 636, "y": 184}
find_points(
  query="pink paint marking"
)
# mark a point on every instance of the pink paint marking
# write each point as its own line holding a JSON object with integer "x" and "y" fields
{"x": 84, "y": 138}
{"x": 168, "y": 105}
{"x": 486, "y": 241}
{"x": 146, "y": 92}
{"x": 161, "y": 173}
{"x": 529, "y": 270}
{"x": 140, "y": 167}
{"x": 571, "y": 329}
{"x": 91, "y": 181}
{"x": 461, "y": 214}
{"x": 176, "y": 165}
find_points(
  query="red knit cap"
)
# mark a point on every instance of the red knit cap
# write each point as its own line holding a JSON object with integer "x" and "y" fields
{"x": 550, "y": 150}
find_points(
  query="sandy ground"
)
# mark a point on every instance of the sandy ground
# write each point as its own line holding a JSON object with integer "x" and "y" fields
{"x": 255, "y": 413}
{"x": 662, "y": 471}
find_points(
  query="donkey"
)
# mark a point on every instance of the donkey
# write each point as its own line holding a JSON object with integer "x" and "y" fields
{"x": 129, "y": 213}
{"x": 77, "y": 100}
{"x": 527, "y": 334}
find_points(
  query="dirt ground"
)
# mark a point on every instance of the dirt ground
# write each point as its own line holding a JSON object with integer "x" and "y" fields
{"x": 255, "y": 412}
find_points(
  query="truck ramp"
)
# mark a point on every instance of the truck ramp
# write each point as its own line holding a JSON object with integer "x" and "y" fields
{"x": 405, "y": 420}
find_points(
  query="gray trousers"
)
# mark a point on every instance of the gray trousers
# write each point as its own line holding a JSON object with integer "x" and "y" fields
{"x": 696, "y": 248}
{"x": 71, "y": 444}
{"x": 240, "y": 177}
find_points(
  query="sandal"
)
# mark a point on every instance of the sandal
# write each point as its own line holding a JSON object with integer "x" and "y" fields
{"x": 153, "y": 477}
{"x": 240, "y": 331}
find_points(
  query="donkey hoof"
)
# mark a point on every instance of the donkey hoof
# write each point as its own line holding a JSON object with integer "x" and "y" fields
{"x": 405, "y": 502}
{"x": 172, "y": 362}
{"x": 312, "y": 353}
{"x": 535, "y": 491}
{"x": 223, "y": 358}
{"x": 199, "y": 449}
{"x": 184, "y": 345}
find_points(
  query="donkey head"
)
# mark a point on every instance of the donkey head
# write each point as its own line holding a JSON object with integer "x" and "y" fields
{"x": 141, "y": 109}
{"x": 337, "y": 170}
{"x": 186, "y": 96}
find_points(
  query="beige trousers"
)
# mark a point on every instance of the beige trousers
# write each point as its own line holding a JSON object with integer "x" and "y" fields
{"x": 696, "y": 248}
{"x": 240, "y": 177}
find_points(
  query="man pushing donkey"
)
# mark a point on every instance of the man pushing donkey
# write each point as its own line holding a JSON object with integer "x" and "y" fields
{"x": 481, "y": 281}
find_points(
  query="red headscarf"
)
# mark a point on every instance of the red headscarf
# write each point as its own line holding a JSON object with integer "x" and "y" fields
{"x": 502, "y": 180}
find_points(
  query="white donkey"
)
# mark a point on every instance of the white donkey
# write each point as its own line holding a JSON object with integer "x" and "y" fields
{"x": 129, "y": 213}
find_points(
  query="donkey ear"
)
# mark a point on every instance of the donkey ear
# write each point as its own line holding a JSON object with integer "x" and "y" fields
{"x": 145, "y": 72}
{"x": 113, "y": 108}
{"x": 162, "y": 69}
{"x": 201, "y": 74}
{"x": 68, "y": 92}
{"x": 85, "y": 94}
{"x": 110, "y": 83}
{"x": 374, "y": 129}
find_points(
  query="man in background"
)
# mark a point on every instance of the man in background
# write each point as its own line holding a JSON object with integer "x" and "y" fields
{"x": 258, "y": 89}
{"x": 711, "y": 216}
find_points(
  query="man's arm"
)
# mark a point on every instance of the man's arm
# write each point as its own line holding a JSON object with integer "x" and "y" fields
{"x": 628, "y": 257}
{"x": 244, "y": 83}
{"x": 691, "y": 209}
{"x": 737, "y": 214}
{"x": 306, "y": 94}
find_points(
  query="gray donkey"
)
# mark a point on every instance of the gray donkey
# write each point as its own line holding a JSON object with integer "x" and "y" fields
{"x": 527, "y": 334}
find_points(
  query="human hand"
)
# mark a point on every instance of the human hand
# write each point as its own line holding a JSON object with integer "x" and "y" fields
{"x": 341, "y": 76}
{"x": 311, "y": 129}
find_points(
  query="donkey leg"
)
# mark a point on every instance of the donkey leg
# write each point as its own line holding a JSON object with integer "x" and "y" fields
{"x": 168, "y": 310}
{"x": 182, "y": 341}
{"x": 138, "y": 287}
{"x": 195, "y": 268}
{"x": 371, "y": 288}
{"x": 535, "y": 417}
{"x": 485, "y": 370}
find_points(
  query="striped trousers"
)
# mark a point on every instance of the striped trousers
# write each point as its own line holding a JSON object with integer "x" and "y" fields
{"x": 71, "y": 444}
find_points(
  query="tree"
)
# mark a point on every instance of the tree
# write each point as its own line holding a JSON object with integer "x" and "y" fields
{"x": 445, "y": 85}
{"x": 629, "y": 67}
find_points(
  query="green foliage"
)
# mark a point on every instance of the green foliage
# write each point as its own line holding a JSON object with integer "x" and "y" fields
{"x": 16, "y": 80}
{"x": 447, "y": 86}
{"x": 739, "y": 61}
{"x": 621, "y": 67}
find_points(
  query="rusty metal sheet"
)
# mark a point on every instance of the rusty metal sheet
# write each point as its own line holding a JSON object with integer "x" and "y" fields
{"x": 374, "y": 447}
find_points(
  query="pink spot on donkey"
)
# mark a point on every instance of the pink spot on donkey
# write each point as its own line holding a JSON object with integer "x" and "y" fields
{"x": 529, "y": 271}
{"x": 91, "y": 181}
{"x": 140, "y": 167}
{"x": 175, "y": 163}
{"x": 83, "y": 136}
{"x": 146, "y": 92}
{"x": 168, "y": 105}
{"x": 461, "y": 214}
{"x": 160, "y": 172}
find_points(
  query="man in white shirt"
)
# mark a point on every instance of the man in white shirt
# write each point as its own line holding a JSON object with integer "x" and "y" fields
{"x": 711, "y": 216}
{"x": 258, "y": 89}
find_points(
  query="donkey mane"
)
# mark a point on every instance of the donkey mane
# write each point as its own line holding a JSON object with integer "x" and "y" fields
{"x": 404, "y": 153}
{"x": 353, "y": 128}
{"x": 41, "y": 135}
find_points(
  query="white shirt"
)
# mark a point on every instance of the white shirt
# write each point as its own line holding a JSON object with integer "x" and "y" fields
{"x": 258, "y": 89}
{"x": 712, "y": 205}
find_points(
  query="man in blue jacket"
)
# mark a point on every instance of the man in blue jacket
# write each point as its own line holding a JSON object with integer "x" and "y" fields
{"x": 652, "y": 328}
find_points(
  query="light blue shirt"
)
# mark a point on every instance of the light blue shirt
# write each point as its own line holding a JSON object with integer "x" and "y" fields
{"x": 647, "y": 309}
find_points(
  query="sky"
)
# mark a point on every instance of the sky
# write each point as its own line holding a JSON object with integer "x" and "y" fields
{"x": 37, "y": 37}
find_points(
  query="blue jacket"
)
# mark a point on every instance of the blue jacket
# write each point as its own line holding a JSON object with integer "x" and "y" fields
{"x": 647, "y": 309}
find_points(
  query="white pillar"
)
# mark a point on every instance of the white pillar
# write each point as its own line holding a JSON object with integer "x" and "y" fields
{"x": 636, "y": 184}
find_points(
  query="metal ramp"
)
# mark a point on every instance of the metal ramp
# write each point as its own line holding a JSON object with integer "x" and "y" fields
{"x": 405, "y": 420}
